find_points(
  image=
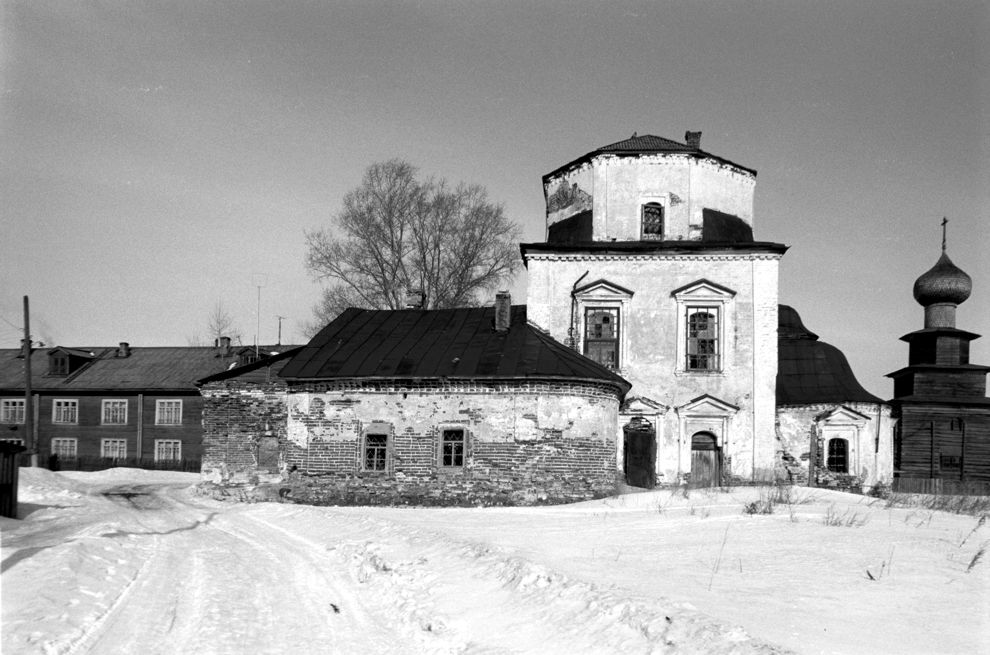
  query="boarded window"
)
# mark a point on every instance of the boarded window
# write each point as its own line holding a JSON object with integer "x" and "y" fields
{"x": 453, "y": 447}
{"x": 375, "y": 452}
{"x": 601, "y": 335}
{"x": 838, "y": 456}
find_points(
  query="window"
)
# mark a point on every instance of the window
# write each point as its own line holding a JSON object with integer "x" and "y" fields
{"x": 114, "y": 412}
{"x": 601, "y": 335}
{"x": 64, "y": 448}
{"x": 12, "y": 410}
{"x": 65, "y": 411}
{"x": 452, "y": 447}
{"x": 168, "y": 450}
{"x": 949, "y": 461}
{"x": 838, "y": 456}
{"x": 652, "y": 221}
{"x": 58, "y": 365}
{"x": 168, "y": 412}
{"x": 702, "y": 339}
{"x": 113, "y": 448}
{"x": 375, "y": 452}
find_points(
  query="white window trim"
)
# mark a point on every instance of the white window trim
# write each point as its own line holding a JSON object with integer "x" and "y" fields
{"x": 65, "y": 440}
{"x": 606, "y": 295}
{"x": 158, "y": 411}
{"x": 467, "y": 438}
{"x": 13, "y": 406}
{"x": 55, "y": 408}
{"x": 698, "y": 295}
{"x": 103, "y": 448}
{"x": 161, "y": 442}
{"x": 103, "y": 410}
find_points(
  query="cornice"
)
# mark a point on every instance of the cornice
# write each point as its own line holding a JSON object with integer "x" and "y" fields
{"x": 585, "y": 257}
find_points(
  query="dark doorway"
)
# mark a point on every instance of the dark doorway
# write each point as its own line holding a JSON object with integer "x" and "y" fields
{"x": 706, "y": 461}
{"x": 640, "y": 453}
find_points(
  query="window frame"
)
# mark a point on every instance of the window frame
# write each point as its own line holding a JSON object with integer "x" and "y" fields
{"x": 690, "y": 299}
{"x": 694, "y": 342}
{"x": 162, "y": 444}
{"x": 385, "y": 451}
{"x": 442, "y": 448}
{"x": 58, "y": 364}
{"x": 158, "y": 411}
{"x": 643, "y": 208}
{"x": 615, "y": 340}
{"x": 13, "y": 407}
{"x": 57, "y": 441}
{"x": 56, "y": 414}
{"x": 103, "y": 411}
{"x": 606, "y": 295}
{"x": 844, "y": 456}
{"x": 106, "y": 441}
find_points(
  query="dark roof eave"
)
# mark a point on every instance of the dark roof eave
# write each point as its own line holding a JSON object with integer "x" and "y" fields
{"x": 968, "y": 368}
{"x": 947, "y": 331}
{"x": 674, "y": 247}
{"x": 697, "y": 154}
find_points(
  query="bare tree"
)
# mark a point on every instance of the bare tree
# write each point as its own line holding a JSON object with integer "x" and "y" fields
{"x": 221, "y": 324}
{"x": 396, "y": 233}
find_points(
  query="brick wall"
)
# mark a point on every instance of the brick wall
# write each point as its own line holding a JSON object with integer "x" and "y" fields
{"x": 527, "y": 442}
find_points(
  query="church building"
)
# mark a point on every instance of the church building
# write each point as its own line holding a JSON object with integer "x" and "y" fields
{"x": 651, "y": 351}
{"x": 943, "y": 433}
{"x": 651, "y": 269}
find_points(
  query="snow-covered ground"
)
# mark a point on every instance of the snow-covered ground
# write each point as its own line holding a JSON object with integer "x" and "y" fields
{"x": 128, "y": 561}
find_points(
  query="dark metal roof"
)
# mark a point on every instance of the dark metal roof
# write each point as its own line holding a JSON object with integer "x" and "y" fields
{"x": 810, "y": 371}
{"x": 262, "y": 371}
{"x": 666, "y": 247}
{"x": 644, "y": 145}
{"x": 144, "y": 368}
{"x": 443, "y": 343}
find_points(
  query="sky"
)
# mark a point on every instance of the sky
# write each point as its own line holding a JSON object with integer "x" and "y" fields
{"x": 161, "y": 157}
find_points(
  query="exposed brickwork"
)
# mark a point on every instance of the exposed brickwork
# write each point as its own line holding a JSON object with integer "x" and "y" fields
{"x": 528, "y": 442}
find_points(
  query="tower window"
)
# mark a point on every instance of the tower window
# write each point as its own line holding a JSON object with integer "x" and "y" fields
{"x": 653, "y": 221}
{"x": 702, "y": 339}
{"x": 601, "y": 335}
{"x": 838, "y": 456}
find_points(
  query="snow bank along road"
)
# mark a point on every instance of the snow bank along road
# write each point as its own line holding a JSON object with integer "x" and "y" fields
{"x": 145, "y": 566}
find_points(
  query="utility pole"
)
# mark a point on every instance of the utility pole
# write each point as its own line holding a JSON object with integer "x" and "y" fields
{"x": 279, "y": 329}
{"x": 29, "y": 442}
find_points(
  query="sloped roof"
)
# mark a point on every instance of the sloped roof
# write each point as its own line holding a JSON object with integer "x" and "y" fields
{"x": 644, "y": 145}
{"x": 168, "y": 367}
{"x": 259, "y": 372}
{"x": 810, "y": 371}
{"x": 444, "y": 343}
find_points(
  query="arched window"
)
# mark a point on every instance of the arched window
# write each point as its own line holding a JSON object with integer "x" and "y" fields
{"x": 838, "y": 456}
{"x": 652, "y": 221}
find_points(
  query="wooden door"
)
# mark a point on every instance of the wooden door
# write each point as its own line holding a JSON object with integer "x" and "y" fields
{"x": 640, "y": 456}
{"x": 706, "y": 461}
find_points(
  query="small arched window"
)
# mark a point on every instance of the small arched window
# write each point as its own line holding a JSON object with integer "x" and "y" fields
{"x": 838, "y": 456}
{"x": 652, "y": 221}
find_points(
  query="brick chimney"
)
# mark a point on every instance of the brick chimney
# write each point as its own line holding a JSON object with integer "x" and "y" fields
{"x": 224, "y": 346}
{"x": 414, "y": 299}
{"x": 693, "y": 140}
{"x": 124, "y": 350}
{"x": 503, "y": 311}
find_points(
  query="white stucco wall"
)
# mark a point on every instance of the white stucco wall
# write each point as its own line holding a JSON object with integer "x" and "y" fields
{"x": 652, "y": 334}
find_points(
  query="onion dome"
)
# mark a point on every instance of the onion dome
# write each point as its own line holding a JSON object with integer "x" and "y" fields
{"x": 943, "y": 283}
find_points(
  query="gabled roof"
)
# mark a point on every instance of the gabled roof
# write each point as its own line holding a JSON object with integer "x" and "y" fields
{"x": 169, "y": 367}
{"x": 810, "y": 371}
{"x": 444, "y": 343}
{"x": 644, "y": 145}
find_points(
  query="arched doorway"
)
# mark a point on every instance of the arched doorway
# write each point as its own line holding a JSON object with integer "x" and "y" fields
{"x": 706, "y": 460}
{"x": 640, "y": 453}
